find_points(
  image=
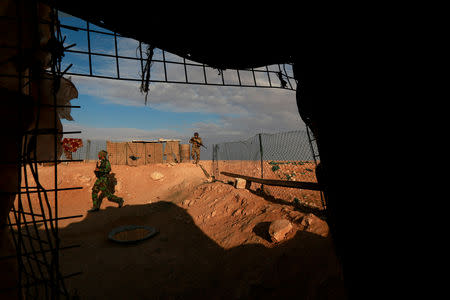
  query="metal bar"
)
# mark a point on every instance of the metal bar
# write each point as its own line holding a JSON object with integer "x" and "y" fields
{"x": 89, "y": 48}
{"x": 268, "y": 76}
{"x": 164, "y": 63}
{"x": 49, "y": 208}
{"x": 68, "y": 67}
{"x": 141, "y": 60}
{"x": 90, "y": 54}
{"x": 254, "y": 78}
{"x": 315, "y": 156}
{"x": 126, "y": 57}
{"x": 18, "y": 245}
{"x": 30, "y": 214}
{"x": 154, "y": 60}
{"x": 74, "y": 28}
{"x": 51, "y": 105}
{"x": 40, "y": 242}
{"x": 273, "y": 182}
{"x": 180, "y": 82}
{"x": 185, "y": 70}
{"x": 70, "y": 27}
{"x": 204, "y": 74}
{"x": 284, "y": 68}
{"x": 223, "y": 79}
{"x": 44, "y": 220}
{"x": 51, "y": 190}
{"x": 34, "y": 238}
{"x": 53, "y": 268}
{"x": 117, "y": 57}
{"x": 38, "y": 260}
{"x": 49, "y": 131}
{"x": 45, "y": 251}
{"x": 69, "y": 132}
{"x": 41, "y": 281}
{"x": 311, "y": 145}
{"x": 261, "y": 153}
{"x": 18, "y": 217}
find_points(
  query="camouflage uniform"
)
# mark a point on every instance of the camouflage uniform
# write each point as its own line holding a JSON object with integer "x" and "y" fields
{"x": 196, "y": 142}
{"x": 101, "y": 185}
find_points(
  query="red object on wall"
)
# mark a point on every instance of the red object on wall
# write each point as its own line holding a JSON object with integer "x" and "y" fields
{"x": 72, "y": 145}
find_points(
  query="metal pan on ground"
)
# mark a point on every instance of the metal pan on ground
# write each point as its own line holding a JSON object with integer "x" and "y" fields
{"x": 129, "y": 234}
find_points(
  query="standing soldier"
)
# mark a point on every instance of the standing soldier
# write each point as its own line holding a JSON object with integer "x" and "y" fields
{"x": 196, "y": 142}
{"x": 101, "y": 184}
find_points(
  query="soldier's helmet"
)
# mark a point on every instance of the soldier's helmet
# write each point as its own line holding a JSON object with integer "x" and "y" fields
{"x": 103, "y": 153}
{"x": 196, "y": 134}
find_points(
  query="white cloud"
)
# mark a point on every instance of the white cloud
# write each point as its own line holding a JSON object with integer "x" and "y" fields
{"x": 242, "y": 112}
{"x": 190, "y": 98}
{"x": 118, "y": 134}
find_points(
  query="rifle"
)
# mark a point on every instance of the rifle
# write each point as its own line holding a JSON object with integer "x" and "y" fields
{"x": 200, "y": 144}
{"x": 99, "y": 174}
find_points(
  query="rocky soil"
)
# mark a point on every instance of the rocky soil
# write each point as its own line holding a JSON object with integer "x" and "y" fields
{"x": 215, "y": 241}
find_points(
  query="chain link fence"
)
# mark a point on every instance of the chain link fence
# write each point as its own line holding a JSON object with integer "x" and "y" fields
{"x": 287, "y": 156}
{"x": 89, "y": 150}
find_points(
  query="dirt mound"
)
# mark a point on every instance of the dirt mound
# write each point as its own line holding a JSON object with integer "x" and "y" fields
{"x": 213, "y": 240}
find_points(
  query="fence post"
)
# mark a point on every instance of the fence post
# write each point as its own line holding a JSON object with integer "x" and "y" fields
{"x": 213, "y": 161}
{"x": 216, "y": 160}
{"x": 261, "y": 152}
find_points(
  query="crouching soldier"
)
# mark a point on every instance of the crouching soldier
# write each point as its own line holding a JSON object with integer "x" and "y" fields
{"x": 101, "y": 185}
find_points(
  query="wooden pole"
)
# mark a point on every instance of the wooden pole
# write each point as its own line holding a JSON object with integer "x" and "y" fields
{"x": 262, "y": 168}
{"x": 274, "y": 182}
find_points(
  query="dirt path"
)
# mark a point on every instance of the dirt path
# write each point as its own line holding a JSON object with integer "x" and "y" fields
{"x": 212, "y": 242}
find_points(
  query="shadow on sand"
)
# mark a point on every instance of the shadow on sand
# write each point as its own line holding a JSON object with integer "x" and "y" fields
{"x": 297, "y": 206}
{"x": 181, "y": 262}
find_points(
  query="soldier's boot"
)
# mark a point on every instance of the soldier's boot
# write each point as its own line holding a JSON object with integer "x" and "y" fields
{"x": 114, "y": 198}
{"x": 95, "y": 204}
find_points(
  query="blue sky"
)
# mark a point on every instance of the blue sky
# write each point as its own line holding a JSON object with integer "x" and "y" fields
{"x": 115, "y": 110}
{"x": 97, "y": 113}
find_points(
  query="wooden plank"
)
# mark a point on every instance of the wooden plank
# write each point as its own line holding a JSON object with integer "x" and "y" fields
{"x": 176, "y": 150}
{"x": 172, "y": 151}
{"x": 131, "y": 152}
{"x": 112, "y": 151}
{"x": 121, "y": 153}
{"x": 158, "y": 153}
{"x": 168, "y": 152}
{"x": 116, "y": 153}
{"x": 140, "y": 152}
{"x": 292, "y": 184}
{"x": 149, "y": 153}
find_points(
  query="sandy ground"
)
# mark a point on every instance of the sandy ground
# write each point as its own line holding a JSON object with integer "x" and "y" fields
{"x": 213, "y": 240}
{"x": 280, "y": 170}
